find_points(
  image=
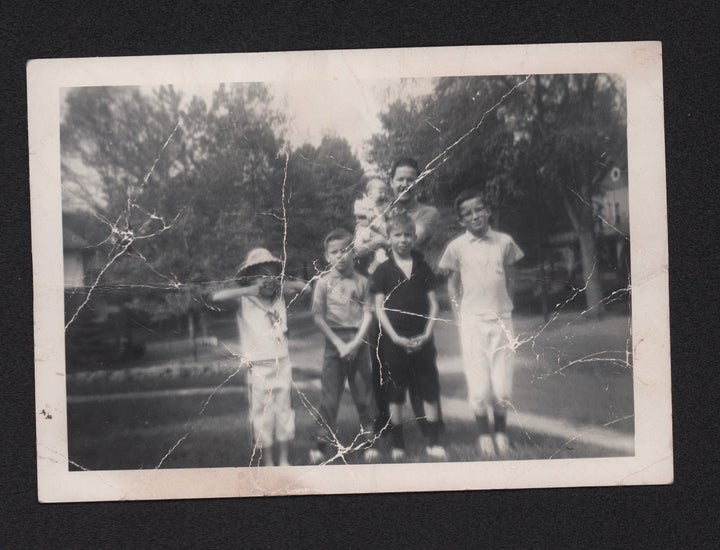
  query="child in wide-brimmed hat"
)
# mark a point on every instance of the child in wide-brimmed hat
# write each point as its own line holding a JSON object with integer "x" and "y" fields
{"x": 262, "y": 327}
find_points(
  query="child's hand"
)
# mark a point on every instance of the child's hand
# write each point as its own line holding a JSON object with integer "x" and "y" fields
{"x": 253, "y": 289}
{"x": 403, "y": 342}
{"x": 414, "y": 345}
{"x": 364, "y": 237}
{"x": 349, "y": 350}
{"x": 417, "y": 342}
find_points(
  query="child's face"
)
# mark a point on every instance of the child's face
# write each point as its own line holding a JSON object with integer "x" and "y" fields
{"x": 378, "y": 191}
{"x": 267, "y": 279}
{"x": 403, "y": 179}
{"x": 475, "y": 216}
{"x": 340, "y": 255}
{"x": 402, "y": 240}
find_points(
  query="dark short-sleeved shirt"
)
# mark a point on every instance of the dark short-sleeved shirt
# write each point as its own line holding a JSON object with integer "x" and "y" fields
{"x": 406, "y": 300}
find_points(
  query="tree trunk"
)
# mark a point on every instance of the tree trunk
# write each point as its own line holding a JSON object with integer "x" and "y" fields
{"x": 583, "y": 225}
{"x": 191, "y": 333}
{"x": 591, "y": 275}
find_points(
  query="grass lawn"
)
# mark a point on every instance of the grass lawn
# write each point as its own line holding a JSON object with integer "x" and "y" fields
{"x": 575, "y": 370}
{"x": 138, "y": 433}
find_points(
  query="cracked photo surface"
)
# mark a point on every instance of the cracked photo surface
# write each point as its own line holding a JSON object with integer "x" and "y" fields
{"x": 350, "y": 271}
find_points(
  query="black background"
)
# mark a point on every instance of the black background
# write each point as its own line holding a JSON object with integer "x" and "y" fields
{"x": 686, "y": 514}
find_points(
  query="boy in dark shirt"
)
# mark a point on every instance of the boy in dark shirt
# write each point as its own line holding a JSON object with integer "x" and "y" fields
{"x": 406, "y": 308}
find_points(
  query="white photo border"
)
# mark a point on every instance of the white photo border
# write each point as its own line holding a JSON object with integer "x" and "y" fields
{"x": 638, "y": 63}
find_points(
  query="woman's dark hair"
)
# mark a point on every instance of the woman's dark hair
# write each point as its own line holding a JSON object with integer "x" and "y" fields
{"x": 405, "y": 161}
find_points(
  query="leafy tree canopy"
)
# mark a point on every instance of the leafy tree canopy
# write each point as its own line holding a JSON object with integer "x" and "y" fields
{"x": 536, "y": 145}
{"x": 184, "y": 189}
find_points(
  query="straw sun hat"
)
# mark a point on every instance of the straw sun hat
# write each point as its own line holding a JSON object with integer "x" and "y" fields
{"x": 257, "y": 256}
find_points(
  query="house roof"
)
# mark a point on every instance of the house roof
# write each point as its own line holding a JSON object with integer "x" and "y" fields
{"x": 612, "y": 174}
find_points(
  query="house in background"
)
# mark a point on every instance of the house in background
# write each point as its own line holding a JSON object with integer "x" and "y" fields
{"x": 103, "y": 331}
{"x": 74, "y": 259}
{"x": 612, "y": 204}
{"x": 612, "y": 229}
{"x": 612, "y": 223}
{"x": 561, "y": 249}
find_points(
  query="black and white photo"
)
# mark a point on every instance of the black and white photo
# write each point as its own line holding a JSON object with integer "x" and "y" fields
{"x": 350, "y": 271}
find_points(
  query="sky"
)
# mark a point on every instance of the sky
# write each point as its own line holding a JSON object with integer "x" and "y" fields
{"x": 346, "y": 108}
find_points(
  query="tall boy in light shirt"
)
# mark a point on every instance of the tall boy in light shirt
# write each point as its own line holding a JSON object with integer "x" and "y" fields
{"x": 479, "y": 265}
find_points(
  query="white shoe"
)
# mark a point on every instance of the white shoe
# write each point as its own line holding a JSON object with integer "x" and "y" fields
{"x": 397, "y": 454}
{"x": 503, "y": 443}
{"x": 436, "y": 451}
{"x": 486, "y": 446}
{"x": 316, "y": 456}
{"x": 371, "y": 455}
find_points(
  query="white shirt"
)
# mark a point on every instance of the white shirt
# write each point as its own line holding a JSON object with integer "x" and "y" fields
{"x": 262, "y": 329}
{"x": 481, "y": 262}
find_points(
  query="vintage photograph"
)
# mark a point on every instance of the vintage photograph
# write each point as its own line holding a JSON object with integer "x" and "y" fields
{"x": 362, "y": 276}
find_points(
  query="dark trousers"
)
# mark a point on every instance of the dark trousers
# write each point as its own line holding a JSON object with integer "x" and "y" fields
{"x": 359, "y": 376}
{"x": 378, "y": 376}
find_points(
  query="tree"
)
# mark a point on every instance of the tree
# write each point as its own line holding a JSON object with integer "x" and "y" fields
{"x": 190, "y": 189}
{"x": 577, "y": 123}
{"x": 322, "y": 184}
{"x": 533, "y": 144}
{"x": 183, "y": 190}
{"x": 428, "y": 128}
{"x": 231, "y": 198}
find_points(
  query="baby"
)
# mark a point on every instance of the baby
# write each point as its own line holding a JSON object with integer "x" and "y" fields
{"x": 369, "y": 211}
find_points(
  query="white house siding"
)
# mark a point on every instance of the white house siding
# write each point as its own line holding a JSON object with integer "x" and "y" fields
{"x": 73, "y": 269}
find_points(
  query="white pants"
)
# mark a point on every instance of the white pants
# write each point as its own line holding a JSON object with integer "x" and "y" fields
{"x": 487, "y": 361}
{"x": 271, "y": 411}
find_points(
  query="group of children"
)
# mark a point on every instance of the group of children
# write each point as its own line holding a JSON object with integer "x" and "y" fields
{"x": 398, "y": 297}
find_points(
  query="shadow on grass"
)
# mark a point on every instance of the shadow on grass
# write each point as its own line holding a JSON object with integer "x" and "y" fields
{"x": 138, "y": 433}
